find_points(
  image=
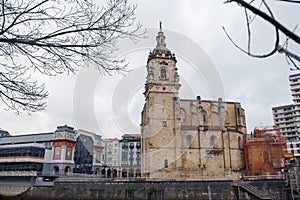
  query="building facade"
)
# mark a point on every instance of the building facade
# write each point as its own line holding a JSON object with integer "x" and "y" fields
{"x": 130, "y": 155}
{"x": 287, "y": 117}
{"x": 264, "y": 152}
{"x": 111, "y": 158}
{"x": 26, "y": 153}
{"x": 63, "y": 147}
{"x": 62, "y": 152}
{"x": 88, "y": 152}
{"x": 187, "y": 139}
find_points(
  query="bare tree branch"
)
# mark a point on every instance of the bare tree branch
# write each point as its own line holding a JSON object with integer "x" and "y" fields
{"x": 54, "y": 37}
{"x": 290, "y": 34}
{"x": 290, "y": 1}
{"x": 268, "y": 18}
{"x": 248, "y": 22}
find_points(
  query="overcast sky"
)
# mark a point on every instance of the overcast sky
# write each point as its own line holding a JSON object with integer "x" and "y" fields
{"x": 111, "y": 106}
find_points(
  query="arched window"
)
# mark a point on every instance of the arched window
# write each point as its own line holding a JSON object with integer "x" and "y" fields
{"x": 212, "y": 141}
{"x": 204, "y": 118}
{"x": 266, "y": 156}
{"x": 226, "y": 118}
{"x": 182, "y": 115}
{"x": 163, "y": 73}
{"x": 166, "y": 163}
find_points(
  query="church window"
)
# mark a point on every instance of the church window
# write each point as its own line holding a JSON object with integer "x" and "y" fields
{"x": 163, "y": 73}
{"x": 265, "y": 156}
{"x": 151, "y": 76}
{"x": 164, "y": 123}
{"x": 166, "y": 163}
{"x": 212, "y": 141}
{"x": 182, "y": 115}
{"x": 204, "y": 118}
{"x": 226, "y": 118}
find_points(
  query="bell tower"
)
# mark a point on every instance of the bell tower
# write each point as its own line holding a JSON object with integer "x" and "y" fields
{"x": 161, "y": 113}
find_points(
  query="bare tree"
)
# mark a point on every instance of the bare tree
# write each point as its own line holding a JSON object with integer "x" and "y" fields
{"x": 278, "y": 29}
{"x": 57, "y": 36}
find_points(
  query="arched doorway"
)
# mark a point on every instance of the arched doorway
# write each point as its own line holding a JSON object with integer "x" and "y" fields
{"x": 131, "y": 172}
{"x": 124, "y": 173}
{"x": 115, "y": 173}
{"x": 109, "y": 173}
{"x": 55, "y": 170}
{"x": 67, "y": 170}
{"x": 97, "y": 171}
{"x": 138, "y": 173}
{"x": 103, "y": 173}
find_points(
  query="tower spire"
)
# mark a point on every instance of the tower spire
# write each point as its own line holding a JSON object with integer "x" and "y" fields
{"x": 160, "y": 38}
{"x": 161, "y": 49}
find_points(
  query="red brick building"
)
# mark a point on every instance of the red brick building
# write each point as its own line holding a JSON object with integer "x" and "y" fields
{"x": 264, "y": 152}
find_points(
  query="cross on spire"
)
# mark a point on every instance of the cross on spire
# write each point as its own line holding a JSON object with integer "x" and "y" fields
{"x": 160, "y": 26}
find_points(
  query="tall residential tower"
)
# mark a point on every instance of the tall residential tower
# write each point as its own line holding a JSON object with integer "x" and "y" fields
{"x": 287, "y": 117}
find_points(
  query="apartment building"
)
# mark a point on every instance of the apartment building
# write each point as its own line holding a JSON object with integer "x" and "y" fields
{"x": 287, "y": 117}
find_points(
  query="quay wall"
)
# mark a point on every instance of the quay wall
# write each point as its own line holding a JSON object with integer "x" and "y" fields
{"x": 138, "y": 190}
{"x": 132, "y": 190}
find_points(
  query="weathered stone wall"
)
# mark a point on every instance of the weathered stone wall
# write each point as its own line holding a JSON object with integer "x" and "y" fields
{"x": 163, "y": 190}
{"x": 276, "y": 188}
{"x": 133, "y": 190}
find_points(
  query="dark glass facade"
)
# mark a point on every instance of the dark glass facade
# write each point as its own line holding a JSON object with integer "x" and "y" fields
{"x": 83, "y": 156}
{"x": 23, "y": 151}
{"x": 21, "y": 166}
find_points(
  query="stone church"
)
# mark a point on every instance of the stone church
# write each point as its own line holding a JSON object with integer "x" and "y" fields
{"x": 192, "y": 139}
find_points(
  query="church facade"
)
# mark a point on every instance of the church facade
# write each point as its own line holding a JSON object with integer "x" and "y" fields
{"x": 187, "y": 139}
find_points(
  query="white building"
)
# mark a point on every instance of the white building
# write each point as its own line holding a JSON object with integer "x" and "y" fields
{"x": 110, "y": 157}
{"x": 287, "y": 117}
{"x": 61, "y": 152}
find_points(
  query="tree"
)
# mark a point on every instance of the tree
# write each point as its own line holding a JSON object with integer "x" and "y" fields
{"x": 57, "y": 36}
{"x": 278, "y": 28}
